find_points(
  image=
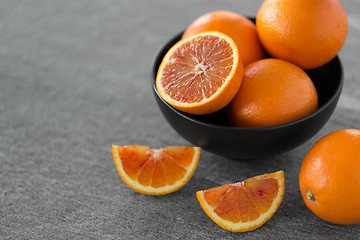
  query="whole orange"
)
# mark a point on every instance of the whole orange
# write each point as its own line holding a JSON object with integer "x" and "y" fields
{"x": 272, "y": 92}
{"x": 330, "y": 177}
{"x": 308, "y": 33}
{"x": 238, "y": 27}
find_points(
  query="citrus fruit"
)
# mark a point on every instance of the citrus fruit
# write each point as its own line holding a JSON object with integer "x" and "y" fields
{"x": 200, "y": 74}
{"x": 330, "y": 177}
{"x": 272, "y": 92}
{"x": 244, "y": 206}
{"x": 308, "y": 33}
{"x": 238, "y": 27}
{"x": 155, "y": 171}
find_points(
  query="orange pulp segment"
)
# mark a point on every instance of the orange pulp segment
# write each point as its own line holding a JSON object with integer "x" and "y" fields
{"x": 155, "y": 171}
{"x": 244, "y": 206}
{"x": 200, "y": 74}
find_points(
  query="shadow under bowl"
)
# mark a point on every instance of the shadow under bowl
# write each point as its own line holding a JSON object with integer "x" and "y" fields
{"x": 213, "y": 133}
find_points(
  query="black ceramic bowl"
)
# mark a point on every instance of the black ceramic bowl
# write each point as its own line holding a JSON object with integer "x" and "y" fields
{"x": 213, "y": 132}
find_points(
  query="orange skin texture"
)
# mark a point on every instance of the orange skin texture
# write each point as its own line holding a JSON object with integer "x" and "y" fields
{"x": 308, "y": 33}
{"x": 238, "y": 27}
{"x": 331, "y": 171}
{"x": 272, "y": 92}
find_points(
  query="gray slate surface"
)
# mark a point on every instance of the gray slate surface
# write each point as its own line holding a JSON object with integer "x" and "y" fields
{"x": 74, "y": 79}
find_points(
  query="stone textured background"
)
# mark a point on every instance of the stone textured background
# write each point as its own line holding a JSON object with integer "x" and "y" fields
{"x": 75, "y": 79}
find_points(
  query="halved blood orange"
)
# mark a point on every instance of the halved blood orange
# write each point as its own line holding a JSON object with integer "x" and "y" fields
{"x": 155, "y": 171}
{"x": 244, "y": 206}
{"x": 200, "y": 74}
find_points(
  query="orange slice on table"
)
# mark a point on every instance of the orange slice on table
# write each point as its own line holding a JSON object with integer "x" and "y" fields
{"x": 155, "y": 171}
{"x": 200, "y": 74}
{"x": 246, "y": 205}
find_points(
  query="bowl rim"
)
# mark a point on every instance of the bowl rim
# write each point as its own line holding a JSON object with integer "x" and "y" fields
{"x": 160, "y": 51}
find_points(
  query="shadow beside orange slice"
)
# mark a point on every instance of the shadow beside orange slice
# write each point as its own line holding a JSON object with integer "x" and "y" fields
{"x": 244, "y": 206}
{"x": 155, "y": 171}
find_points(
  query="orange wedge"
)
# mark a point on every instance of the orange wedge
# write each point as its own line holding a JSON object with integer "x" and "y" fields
{"x": 244, "y": 206}
{"x": 155, "y": 171}
{"x": 200, "y": 74}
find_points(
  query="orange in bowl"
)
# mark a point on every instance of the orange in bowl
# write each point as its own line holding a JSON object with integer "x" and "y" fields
{"x": 308, "y": 33}
{"x": 272, "y": 92}
{"x": 200, "y": 74}
{"x": 238, "y": 27}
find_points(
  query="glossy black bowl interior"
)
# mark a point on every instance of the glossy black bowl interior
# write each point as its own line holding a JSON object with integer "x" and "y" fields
{"x": 213, "y": 132}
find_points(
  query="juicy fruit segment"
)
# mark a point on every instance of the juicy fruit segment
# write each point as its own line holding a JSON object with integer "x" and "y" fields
{"x": 246, "y": 205}
{"x": 155, "y": 171}
{"x": 238, "y": 27}
{"x": 200, "y": 74}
